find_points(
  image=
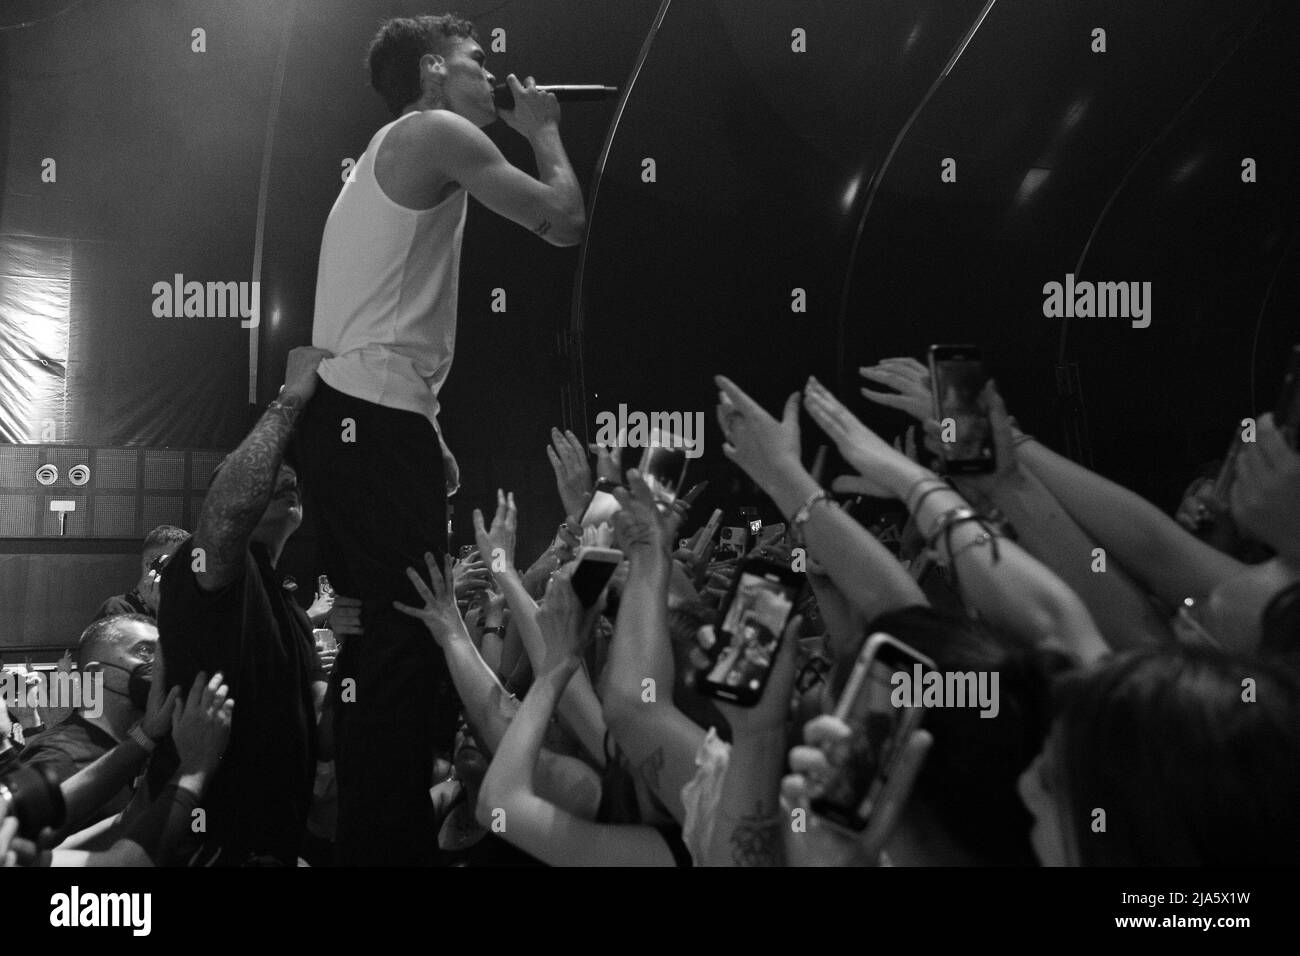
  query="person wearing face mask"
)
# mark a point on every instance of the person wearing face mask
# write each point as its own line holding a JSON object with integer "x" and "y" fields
{"x": 115, "y": 657}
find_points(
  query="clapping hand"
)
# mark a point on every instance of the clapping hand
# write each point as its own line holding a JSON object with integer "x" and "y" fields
{"x": 572, "y": 471}
{"x": 497, "y": 544}
{"x": 201, "y": 725}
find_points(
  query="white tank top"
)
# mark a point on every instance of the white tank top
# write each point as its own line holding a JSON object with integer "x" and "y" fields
{"x": 386, "y": 292}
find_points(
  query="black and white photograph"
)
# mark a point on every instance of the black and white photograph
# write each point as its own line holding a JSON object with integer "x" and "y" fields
{"x": 837, "y": 434}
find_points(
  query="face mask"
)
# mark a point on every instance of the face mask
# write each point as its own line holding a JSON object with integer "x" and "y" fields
{"x": 139, "y": 681}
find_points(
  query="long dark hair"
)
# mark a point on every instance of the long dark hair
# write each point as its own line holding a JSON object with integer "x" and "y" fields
{"x": 1192, "y": 754}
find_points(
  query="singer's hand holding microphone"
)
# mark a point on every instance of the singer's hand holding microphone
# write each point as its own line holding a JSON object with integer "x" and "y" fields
{"x": 542, "y": 102}
{"x": 533, "y": 108}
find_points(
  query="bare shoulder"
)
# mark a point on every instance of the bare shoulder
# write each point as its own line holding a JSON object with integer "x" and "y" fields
{"x": 423, "y": 157}
{"x": 433, "y": 130}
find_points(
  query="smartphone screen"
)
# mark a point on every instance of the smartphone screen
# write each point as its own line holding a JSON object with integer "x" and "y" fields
{"x": 958, "y": 379}
{"x": 663, "y": 466}
{"x": 861, "y": 762}
{"x": 594, "y": 569}
{"x": 749, "y": 636}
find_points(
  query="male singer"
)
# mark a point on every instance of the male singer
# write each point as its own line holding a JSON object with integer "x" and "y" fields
{"x": 376, "y": 465}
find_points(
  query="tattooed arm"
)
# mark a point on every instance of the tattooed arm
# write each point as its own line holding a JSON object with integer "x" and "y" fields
{"x": 637, "y": 683}
{"x": 746, "y": 828}
{"x": 242, "y": 489}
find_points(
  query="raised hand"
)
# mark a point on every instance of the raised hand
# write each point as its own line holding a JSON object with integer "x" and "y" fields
{"x": 470, "y": 576}
{"x": 321, "y": 606}
{"x": 770, "y": 713}
{"x": 566, "y": 626}
{"x": 162, "y": 701}
{"x": 820, "y": 844}
{"x": 1265, "y": 498}
{"x": 440, "y": 613}
{"x": 201, "y": 725}
{"x": 640, "y": 528}
{"x": 609, "y": 463}
{"x": 572, "y": 471}
{"x": 496, "y": 545}
{"x": 910, "y": 380}
{"x": 300, "y": 376}
{"x": 886, "y": 469}
{"x": 762, "y": 446}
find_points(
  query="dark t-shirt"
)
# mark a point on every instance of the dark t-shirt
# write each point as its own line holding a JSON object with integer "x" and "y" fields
{"x": 254, "y": 633}
{"x": 128, "y": 603}
{"x": 72, "y": 745}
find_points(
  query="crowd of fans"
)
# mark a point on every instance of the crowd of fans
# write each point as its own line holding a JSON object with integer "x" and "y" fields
{"x": 1148, "y": 705}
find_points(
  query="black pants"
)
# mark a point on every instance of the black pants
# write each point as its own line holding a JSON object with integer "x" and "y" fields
{"x": 379, "y": 503}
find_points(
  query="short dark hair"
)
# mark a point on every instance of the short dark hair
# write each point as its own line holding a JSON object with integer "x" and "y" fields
{"x": 163, "y": 535}
{"x": 103, "y": 634}
{"x": 393, "y": 57}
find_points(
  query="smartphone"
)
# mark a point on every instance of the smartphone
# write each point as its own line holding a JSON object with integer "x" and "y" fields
{"x": 710, "y": 529}
{"x": 1287, "y": 415}
{"x": 603, "y": 504}
{"x": 863, "y": 762}
{"x": 734, "y": 540}
{"x": 323, "y": 585}
{"x": 663, "y": 465}
{"x": 595, "y": 567}
{"x": 753, "y": 617}
{"x": 957, "y": 379}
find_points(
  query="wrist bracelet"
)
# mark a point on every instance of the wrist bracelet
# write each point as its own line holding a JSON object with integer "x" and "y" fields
{"x": 499, "y": 630}
{"x": 805, "y": 511}
{"x": 941, "y": 486}
{"x": 961, "y": 513}
{"x": 147, "y": 743}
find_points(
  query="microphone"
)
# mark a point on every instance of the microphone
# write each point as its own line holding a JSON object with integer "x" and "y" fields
{"x": 504, "y": 97}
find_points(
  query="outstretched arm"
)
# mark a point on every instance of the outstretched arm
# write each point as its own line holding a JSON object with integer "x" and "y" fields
{"x": 659, "y": 740}
{"x": 240, "y": 492}
{"x": 509, "y": 795}
{"x": 489, "y": 707}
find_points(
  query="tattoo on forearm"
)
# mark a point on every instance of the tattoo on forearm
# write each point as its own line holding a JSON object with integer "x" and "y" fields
{"x": 543, "y": 227}
{"x": 756, "y": 838}
{"x": 242, "y": 488}
{"x": 650, "y": 768}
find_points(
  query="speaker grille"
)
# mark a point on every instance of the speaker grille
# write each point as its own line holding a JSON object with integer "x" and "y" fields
{"x": 162, "y": 509}
{"x": 18, "y": 464}
{"x": 164, "y": 470}
{"x": 18, "y": 515}
{"x": 115, "y": 468}
{"x": 115, "y": 517}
